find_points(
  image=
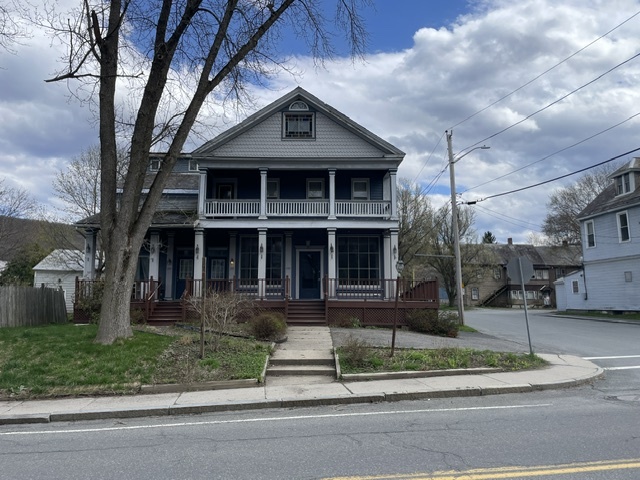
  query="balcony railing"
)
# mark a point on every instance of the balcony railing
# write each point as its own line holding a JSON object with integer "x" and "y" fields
{"x": 297, "y": 208}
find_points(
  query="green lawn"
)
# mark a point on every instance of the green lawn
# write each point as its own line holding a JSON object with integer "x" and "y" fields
{"x": 618, "y": 316}
{"x": 57, "y": 360}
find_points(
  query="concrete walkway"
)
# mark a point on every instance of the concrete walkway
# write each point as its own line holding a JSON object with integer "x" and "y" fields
{"x": 303, "y": 390}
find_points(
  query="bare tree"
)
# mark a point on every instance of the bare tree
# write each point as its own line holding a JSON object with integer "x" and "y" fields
{"x": 14, "y": 203}
{"x": 176, "y": 53}
{"x": 566, "y": 203}
{"x": 473, "y": 255}
{"x": 416, "y": 224}
{"x": 10, "y": 29}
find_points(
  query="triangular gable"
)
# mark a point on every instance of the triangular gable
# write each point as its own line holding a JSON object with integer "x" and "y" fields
{"x": 260, "y": 135}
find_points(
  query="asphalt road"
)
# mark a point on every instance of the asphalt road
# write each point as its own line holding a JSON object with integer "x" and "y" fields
{"x": 563, "y": 434}
{"x": 613, "y": 346}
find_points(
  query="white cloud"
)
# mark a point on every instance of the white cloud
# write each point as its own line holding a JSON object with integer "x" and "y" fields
{"x": 411, "y": 97}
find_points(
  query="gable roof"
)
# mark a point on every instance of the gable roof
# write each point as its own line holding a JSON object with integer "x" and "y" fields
{"x": 551, "y": 256}
{"x": 299, "y": 94}
{"x": 62, "y": 260}
{"x": 608, "y": 201}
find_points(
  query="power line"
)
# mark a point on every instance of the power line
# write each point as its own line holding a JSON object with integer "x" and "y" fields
{"x": 498, "y": 215}
{"x": 554, "y": 153}
{"x": 545, "y": 72}
{"x": 553, "y": 103}
{"x": 554, "y": 179}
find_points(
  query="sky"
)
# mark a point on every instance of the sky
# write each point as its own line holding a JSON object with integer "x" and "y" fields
{"x": 531, "y": 79}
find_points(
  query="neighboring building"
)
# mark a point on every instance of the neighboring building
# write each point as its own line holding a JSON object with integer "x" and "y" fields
{"x": 610, "y": 229}
{"x": 59, "y": 270}
{"x": 493, "y": 287}
{"x": 296, "y": 202}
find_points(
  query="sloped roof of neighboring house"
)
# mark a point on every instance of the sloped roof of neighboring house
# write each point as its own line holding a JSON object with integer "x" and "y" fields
{"x": 183, "y": 182}
{"x": 554, "y": 256}
{"x": 608, "y": 201}
{"x": 300, "y": 94}
{"x": 160, "y": 218}
{"x": 62, "y": 260}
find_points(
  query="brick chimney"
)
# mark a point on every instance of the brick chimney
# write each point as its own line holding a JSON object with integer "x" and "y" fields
{"x": 510, "y": 241}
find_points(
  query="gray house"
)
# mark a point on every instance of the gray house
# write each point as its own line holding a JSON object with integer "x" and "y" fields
{"x": 610, "y": 224}
{"x": 295, "y": 204}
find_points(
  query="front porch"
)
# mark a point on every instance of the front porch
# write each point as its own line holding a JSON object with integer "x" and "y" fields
{"x": 374, "y": 302}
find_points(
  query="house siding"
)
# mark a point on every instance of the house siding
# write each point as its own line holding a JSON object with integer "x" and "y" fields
{"x": 608, "y": 244}
{"x": 608, "y": 289}
{"x": 265, "y": 140}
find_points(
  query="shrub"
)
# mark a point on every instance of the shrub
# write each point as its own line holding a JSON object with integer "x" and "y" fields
{"x": 267, "y": 326}
{"x": 430, "y": 321}
{"x": 355, "y": 352}
{"x": 346, "y": 321}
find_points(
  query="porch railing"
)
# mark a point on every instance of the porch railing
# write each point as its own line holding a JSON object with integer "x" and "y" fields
{"x": 381, "y": 289}
{"x": 285, "y": 208}
{"x": 259, "y": 288}
{"x": 296, "y": 208}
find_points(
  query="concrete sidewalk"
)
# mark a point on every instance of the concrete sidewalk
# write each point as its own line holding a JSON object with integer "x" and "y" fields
{"x": 564, "y": 371}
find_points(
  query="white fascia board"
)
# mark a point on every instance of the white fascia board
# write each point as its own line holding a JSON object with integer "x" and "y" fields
{"x": 294, "y": 224}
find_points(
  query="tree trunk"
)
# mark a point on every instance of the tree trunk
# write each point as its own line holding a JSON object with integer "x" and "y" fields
{"x": 115, "y": 315}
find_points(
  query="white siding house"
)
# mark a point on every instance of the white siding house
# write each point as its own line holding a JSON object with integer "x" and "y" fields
{"x": 611, "y": 245}
{"x": 59, "y": 270}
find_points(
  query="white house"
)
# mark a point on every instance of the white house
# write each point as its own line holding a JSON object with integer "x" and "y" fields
{"x": 59, "y": 270}
{"x": 610, "y": 224}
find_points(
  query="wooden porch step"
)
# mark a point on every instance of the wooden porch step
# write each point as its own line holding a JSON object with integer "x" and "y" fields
{"x": 306, "y": 312}
{"x": 166, "y": 313}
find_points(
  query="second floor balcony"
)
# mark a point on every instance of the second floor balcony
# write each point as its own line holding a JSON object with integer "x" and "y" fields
{"x": 297, "y": 208}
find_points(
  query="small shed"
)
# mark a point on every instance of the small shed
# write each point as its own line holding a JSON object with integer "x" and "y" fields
{"x": 59, "y": 270}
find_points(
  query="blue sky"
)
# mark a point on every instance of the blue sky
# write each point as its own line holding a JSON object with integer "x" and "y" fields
{"x": 430, "y": 64}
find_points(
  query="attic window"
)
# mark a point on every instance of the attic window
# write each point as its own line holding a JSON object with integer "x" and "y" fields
{"x": 623, "y": 184}
{"x": 193, "y": 166}
{"x": 298, "y": 125}
{"x": 299, "y": 106}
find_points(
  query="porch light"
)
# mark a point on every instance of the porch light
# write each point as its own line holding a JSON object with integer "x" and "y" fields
{"x": 232, "y": 263}
{"x": 395, "y": 252}
{"x": 261, "y": 250}
{"x": 197, "y": 251}
{"x": 331, "y": 250}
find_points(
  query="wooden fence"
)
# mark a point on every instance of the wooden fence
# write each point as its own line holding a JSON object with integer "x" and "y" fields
{"x": 28, "y": 306}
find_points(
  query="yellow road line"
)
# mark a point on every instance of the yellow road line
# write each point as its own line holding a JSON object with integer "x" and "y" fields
{"x": 509, "y": 472}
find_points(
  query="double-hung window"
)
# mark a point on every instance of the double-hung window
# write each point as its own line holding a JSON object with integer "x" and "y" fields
{"x": 590, "y": 231}
{"x": 273, "y": 189}
{"x": 298, "y": 125}
{"x": 623, "y": 184}
{"x": 358, "y": 259}
{"x": 360, "y": 189}
{"x": 623, "y": 227}
{"x": 315, "y": 189}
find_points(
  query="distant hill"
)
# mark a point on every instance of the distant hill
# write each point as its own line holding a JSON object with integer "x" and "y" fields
{"x": 17, "y": 232}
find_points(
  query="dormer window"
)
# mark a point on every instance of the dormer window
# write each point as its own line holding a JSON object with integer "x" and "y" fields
{"x": 298, "y": 122}
{"x": 193, "y": 166}
{"x": 623, "y": 184}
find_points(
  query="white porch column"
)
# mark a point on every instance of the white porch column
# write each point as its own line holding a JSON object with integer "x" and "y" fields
{"x": 386, "y": 262}
{"x": 89, "y": 269}
{"x": 332, "y": 194}
{"x": 233, "y": 258}
{"x": 262, "y": 261}
{"x": 263, "y": 194}
{"x": 332, "y": 251}
{"x": 394, "y": 254}
{"x": 198, "y": 253}
{"x": 394, "y": 194}
{"x": 288, "y": 256}
{"x": 202, "y": 192}
{"x": 154, "y": 256}
{"x": 168, "y": 281}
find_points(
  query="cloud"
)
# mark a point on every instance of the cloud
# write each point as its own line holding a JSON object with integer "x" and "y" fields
{"x": 411, "y": 96}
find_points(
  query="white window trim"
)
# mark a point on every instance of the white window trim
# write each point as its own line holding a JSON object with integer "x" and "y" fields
{"x": 353, "y": 190}
{"x": 618, "y": 215}
{"x": 321, "y": 180}
{"x": 621, "y": 178}
{"x": 586, "y": 233}
{"x": 154, "y": 164}
{"x": 575, "y": 287}
{"x": 297, "y": 113}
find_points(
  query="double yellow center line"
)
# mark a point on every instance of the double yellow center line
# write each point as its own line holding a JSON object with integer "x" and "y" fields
{"x": 510, "y": 472}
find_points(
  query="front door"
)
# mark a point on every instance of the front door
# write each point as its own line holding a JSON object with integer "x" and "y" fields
{"x": 309, "y": 274}
{"x": 184, "y": 270}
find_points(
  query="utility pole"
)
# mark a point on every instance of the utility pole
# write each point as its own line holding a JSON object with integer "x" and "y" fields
{"x": 456, "y": 233}
{"x": 454, "y": 223}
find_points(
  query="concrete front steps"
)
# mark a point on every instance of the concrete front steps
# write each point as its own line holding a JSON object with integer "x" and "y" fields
{"x": 306, "y": 356}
